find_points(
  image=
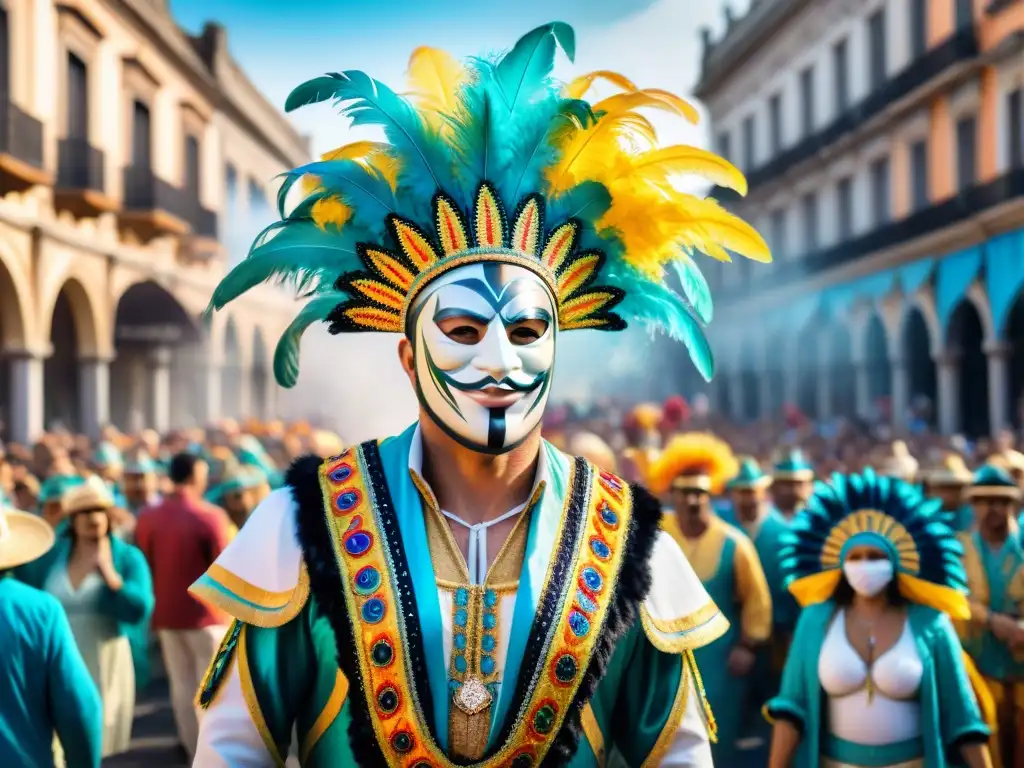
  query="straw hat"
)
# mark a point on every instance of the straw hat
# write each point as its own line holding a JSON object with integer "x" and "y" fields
{"x": 23, "y": 538}
{"x": 899, "y": 463}
{"x": 90, "y": 495}
{"x": 950, "y": 470}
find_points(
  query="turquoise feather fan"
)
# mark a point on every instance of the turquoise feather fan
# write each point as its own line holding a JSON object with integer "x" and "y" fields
{"x": 481, "y": 138}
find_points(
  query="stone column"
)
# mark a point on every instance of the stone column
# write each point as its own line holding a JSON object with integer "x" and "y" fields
{"x": 900, "y": 395}
{"x": 244, "y": 394}
{"x": 270, "y": 395}
{"x": 26, "y": 401}
{"x": 211, "y": 405}
{"x": 948, "y": 370}
{"x": 998, "y": 356}
{"x": 160, "y": 389}
{"x": 736, "y": 395}
{"x": 94, "y": 391}
{"x": 791, "y": 385}
{"x": 862, "y": 389}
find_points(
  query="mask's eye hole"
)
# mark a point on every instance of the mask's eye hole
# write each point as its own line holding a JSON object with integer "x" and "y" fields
{"x": 464, "y": 330}
{"x": 526, "y": 331}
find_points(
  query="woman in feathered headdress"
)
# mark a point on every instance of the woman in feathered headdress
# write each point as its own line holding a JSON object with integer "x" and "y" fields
{"x": 875, "y": 676}
{"x": 692, "y": 468}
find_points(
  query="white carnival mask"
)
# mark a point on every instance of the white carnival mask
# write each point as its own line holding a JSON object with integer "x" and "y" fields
{"x": 484, "y": 346}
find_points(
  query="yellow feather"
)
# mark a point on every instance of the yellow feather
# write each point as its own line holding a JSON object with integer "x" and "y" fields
{"x": 586, "y": 152}
{"x": 331, "y": 211}
{"x": 656, "y": 166}
{"x": 578, "y": 87}
{"x": 652, "y": 98}
{"x": 357, "y": 150}
{"x": 435, "y": 78}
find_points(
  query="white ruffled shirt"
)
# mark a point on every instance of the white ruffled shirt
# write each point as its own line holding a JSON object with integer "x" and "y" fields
{"x": 229, "y": 739}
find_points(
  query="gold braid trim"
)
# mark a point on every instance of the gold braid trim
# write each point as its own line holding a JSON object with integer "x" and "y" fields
{"x": 675, "y": 718}
{"x": 247, "y": 602}
{"x": 704, "y": 633}
{"x": 699, "y": 682}
{"x": 327, "y": 715}
{"x": 593, "y": 733}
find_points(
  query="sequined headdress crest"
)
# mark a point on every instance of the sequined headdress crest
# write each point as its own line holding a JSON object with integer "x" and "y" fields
{"x": 592, "y": 203}
{"x": 885, "y": 512}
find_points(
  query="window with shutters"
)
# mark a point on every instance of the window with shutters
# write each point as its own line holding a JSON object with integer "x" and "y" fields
{"x": 964, "y": 13}
{"x": 725, "y": 145}
{"x": 775, "y": 123}
{"x": 876, "y": 49}
{"x": 1015, "y": 128}
{"x": 809, "y": 206}
{"x": 918, "y": 28}
{"x": 966, "y": 152}
{"x": 748, "y": 144}
{"x": 844, "y": 208}
{"x": 141, "y": 135}
{"x": 880, "y": 194}
{"x": 192, "y": 167}
{"x": 841, "y": 75}
{"x": 778, "y": 234}
{"x": 5, "y": 63}
{"x": 919, "y": 175}
{"x": 807, "y": 101}
{"x": 78, "y": 98}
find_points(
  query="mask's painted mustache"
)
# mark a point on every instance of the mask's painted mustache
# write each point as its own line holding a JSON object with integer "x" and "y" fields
{"x": 490, "y": 381}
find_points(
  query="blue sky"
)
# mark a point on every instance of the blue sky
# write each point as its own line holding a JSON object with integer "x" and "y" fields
{"x": 280, "y": 44}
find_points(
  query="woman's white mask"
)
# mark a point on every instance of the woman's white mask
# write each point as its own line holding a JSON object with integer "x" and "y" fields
{"x": 487, "y": 390}
{"x": 868, "y": 577}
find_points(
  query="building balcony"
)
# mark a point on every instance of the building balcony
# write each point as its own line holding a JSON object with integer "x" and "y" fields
{"x": 21, "y": 149}
{"x": 80, "y": 186}
{"x": 202, "y": 244}
{"x": 982, "y": 200}
{"x": 960, "y": 47}
{"x": 152, "y": 207}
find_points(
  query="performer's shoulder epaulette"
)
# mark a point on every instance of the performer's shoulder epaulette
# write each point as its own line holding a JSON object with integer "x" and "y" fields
{"x": 260, "y": 578}
{"x": 678, "y": 614}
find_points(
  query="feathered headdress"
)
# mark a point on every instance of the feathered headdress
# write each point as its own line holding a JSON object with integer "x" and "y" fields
{"x": 491, "y": 160}
{"x": 888, "y": 513}
{"x": 701, "y": 460}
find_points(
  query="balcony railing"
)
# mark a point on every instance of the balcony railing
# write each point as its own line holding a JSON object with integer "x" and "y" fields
{"x": 79, "y": 166}
{"x": 21, "y": 135}
{"x": 144, "y": 191}
{"x": 203, "y": 220}
{"x": 969, "y": 202}
{"x": 962, "y": 46}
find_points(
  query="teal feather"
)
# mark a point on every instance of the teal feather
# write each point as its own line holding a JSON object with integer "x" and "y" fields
{"x": 286, "y": 355}
{"x": 360, "y": 187}
{"x": 314, "y": 91}
{"x": 695, "y": 287}
{"x": 301, "y": 254}
{"x": 530, "y": 144}
{"x": 524, "y": 69}
{"x": 587, "y": 202}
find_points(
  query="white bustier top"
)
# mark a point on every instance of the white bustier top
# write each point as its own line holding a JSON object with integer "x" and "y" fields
{"x": 892, "y": 714}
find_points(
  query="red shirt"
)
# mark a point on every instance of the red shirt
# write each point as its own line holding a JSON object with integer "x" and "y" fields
{"x": 181, "y": 537}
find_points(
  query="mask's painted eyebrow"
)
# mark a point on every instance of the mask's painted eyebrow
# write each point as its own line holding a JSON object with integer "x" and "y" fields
{"x": 450, "y": 312}
{"x": 530, "y": 313}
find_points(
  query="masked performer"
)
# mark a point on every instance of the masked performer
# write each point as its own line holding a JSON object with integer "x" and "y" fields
{"x": 875, "y": 676}
{"x": 465, "y": 592}
{"x": 693, "y": 468}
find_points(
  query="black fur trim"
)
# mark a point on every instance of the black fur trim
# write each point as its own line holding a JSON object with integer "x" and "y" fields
{"x": 325, "y": 583}
{"x": 631, "y": 589}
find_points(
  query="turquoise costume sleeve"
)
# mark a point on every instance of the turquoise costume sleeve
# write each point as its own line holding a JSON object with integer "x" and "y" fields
{"x": 653, "y": 692}
{"x": 75, "y": 705}
{"x": 960, "y": 718}
{"x": 133, "y": 602}
{"x": 792, "y": 701}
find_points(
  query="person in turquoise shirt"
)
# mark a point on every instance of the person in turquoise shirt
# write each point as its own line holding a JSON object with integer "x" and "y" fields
{"x": 993, "y": 636}
{"x": 47, "y": 688}
{"x": 106, "y": 588}
{"x": 948, "y": 482}
{"x": 691, "y": 468}
{"x": 51, "y": 497}
{"x": 792, "y": 482}
{"x": 236, "y": 492}
{"x": 875, "y": 676}
{"x": 757, "y": 518}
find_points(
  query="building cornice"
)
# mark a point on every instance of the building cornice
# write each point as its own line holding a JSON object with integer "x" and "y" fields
{"x": 172, "y": 42}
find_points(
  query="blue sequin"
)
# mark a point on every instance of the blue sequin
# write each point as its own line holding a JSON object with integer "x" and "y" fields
{"x": 367, "y": 580}
{"x": 373, "y": 610}
{"x": 462, "y": 596}
{"x": 487, "y": 642}
{"x": 490, "y": 621}
{"x": 578, "y": 623}
{"x": 487, "y": 665}
{"x": 459, "y": 641}
{"x": 490, "y": 598}
{"x": 346, "y": 501}
{"x": 461, "y": 617}
{"x": 585, "y": 602}
{"x": 341, "y": 474}
{"x": 600, "y": 549}
{"x": 609, "y": 516}
{"x": 592, "y": 579}
{"x": 357, "y": 543}
{"x": 460, "y": 664}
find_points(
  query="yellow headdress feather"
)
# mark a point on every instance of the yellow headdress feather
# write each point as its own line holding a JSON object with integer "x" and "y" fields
{"x": 693, "y": 453}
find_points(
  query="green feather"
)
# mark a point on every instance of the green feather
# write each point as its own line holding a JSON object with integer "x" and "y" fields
{"x": 300, "y": 254}
{"x": 523, "y": 70}
{"x": 286, "y": 355}
{"x": 695, "y": 287}
{"x": 313, "y": 91}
